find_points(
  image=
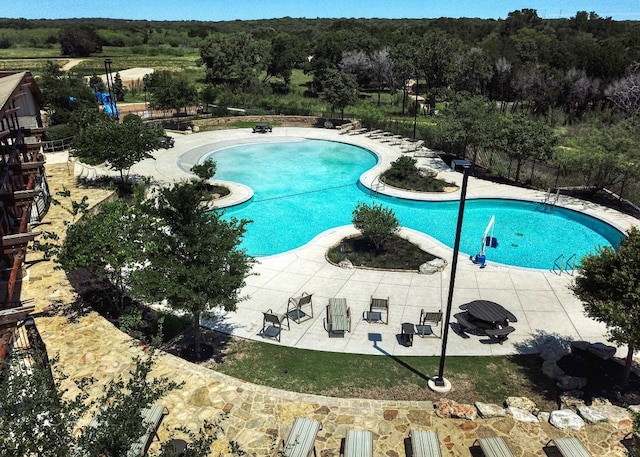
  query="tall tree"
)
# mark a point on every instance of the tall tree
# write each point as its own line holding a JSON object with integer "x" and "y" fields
{"x": 120, "y": 145}
{"x": 109, "y": 244}
{"x": 233, "y": 60}
{"x": 608, "y": 283}
{"x": 79, "y": 40}
{"x": 340, "y": 90}
{"x": 469, "y": 124}
{"x": 194, "y": 260}
{"x": 119, "y": 89}
{"x": 522, "y": 138}
{"x": 435, "y": 63}
{"x": 171, "y": 92}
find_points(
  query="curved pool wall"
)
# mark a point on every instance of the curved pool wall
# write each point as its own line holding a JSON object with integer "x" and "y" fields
{"x": 305, "y": 187}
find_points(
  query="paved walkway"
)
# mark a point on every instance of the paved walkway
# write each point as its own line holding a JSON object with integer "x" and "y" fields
{"x": 256, "y": 415}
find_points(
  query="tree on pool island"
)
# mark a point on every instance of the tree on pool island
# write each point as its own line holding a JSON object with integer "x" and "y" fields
{"x": 375, "y": 222}
{"x": 193, "y": 259}
{"x": 609, "y": 285}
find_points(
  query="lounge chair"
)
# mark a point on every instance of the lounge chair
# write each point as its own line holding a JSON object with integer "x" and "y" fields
{"x": 570, "y": 447}
{"x": 357, "y": 131}
{"x": 494, "y": 446}
{"x": 151, "y": 417}
{"x": 412, "y": 146}
{"x": 345, "y": 128}
{"x": 425, "y": 443}
{"x": 428, "y": 319}
{"x": 358, "y": 443}
{"x": 377, "y": 306}
{"x": 301, "y": 440}
{"x": 338, "y": 318}
{"x": 272, "y": 324}
{"x": 373, "y": 132}
{"x": 295, "y": 304}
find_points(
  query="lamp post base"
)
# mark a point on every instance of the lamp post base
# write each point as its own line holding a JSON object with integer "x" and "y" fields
{"x": 439, "y": 385}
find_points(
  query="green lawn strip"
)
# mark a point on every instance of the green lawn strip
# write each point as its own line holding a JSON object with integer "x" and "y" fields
{"x": 486, "y": 379}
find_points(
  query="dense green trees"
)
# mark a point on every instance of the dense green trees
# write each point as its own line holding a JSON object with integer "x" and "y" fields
{"x": 609, "y": 286}
{"x": 79, "y": 40}
{"x": 119, "y": 145}
{"x": 340, "y": 90}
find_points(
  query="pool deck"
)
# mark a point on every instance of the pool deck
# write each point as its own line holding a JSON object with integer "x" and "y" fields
{"x": 539, "y": 299}
{"x": 257, "y": 415}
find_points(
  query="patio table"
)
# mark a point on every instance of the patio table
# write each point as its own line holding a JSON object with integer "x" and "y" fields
{"x": 489, "y": 311}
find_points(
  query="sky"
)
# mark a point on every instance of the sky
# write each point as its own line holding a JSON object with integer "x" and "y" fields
{"x": 229, "y": 10}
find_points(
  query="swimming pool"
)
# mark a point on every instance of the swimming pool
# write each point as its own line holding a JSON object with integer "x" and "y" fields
{"x": 304, "y": 187}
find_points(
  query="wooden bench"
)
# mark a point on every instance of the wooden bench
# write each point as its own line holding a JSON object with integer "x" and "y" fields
{"x": 425, "y": 443}
{"x": 500, "y": 333}
{"x": 570, "y": 447}
{"x": 358, "y": 443}
{"x": 494, "y": 447}
{"x": 464, "y": 323}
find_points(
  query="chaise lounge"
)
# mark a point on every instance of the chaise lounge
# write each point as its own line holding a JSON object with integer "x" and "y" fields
{"x": 301, "y": 439}
{"x": 570, "y": 447}
{"x": 425, "y": 443}
{"x": 358, "y": 443}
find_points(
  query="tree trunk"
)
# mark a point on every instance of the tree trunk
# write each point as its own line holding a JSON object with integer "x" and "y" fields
{"x": 197, "y": 343}
{"x": 627, "y": 365}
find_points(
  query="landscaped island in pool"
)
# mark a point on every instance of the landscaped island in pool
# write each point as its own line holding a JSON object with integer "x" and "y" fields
{"x": 304, "y": 187}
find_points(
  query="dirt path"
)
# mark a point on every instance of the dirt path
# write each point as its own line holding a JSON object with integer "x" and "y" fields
{"x": 72, "y": 63}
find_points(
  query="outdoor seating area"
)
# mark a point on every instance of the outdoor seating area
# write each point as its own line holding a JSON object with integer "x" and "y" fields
{"x": 483, "y": 317}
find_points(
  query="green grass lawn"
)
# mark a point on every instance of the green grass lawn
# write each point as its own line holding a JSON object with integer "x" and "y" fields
{"x": 486, "y": 379}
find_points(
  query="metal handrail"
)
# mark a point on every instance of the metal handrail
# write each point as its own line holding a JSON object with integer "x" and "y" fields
{"x": 571, "y": 261}
{"x": 558, "y": 264}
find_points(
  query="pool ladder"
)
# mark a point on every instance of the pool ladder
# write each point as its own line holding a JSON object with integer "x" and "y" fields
{"x": 376, "y": 185}
{"x": 560, "y": 265}
{"x": 551, "y": 199}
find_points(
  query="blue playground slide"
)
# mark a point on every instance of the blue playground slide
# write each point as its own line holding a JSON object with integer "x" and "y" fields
{"x": 109, "y": 105}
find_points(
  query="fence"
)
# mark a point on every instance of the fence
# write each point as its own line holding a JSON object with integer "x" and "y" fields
{"x": 58, "y": 145}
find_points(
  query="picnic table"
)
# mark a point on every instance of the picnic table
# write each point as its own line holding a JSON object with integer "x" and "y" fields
{"x": 338, "y": 316}
{"x": 489, "y": 311}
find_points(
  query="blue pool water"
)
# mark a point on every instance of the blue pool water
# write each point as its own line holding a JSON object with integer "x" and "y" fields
{"x": 304, "y": 187}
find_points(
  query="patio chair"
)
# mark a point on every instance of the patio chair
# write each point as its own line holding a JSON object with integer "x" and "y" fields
{"x": 494, "y": 446}
{"x": 358, "y": 443}
{"x": 428, "y": 319}
{"x": 570, "y": 447}
{"x": 272, "y": 324}
{"x": 377, "y": 306}
{"x": 301, "y": 439}
{"x": 425, "y": 443}
{"x": 151, "y": 417}
{"x": 295, "y": 304}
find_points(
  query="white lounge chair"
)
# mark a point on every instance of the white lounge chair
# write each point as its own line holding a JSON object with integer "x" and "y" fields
{"x": 425, "y": 443}
{"x": 301, "y": 440}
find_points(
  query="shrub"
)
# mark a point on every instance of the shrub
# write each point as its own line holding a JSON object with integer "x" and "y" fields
{"x": 375, "y": 222}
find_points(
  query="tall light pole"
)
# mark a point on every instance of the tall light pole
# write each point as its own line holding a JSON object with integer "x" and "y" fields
{"x": 415, "y": 109}
{"x": 108, "y": 75}
{"x": 439, "y": 383}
